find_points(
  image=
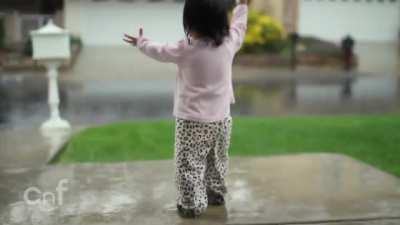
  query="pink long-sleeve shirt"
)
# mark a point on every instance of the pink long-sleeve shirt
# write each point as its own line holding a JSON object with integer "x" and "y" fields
{"x": 204, "y": 90}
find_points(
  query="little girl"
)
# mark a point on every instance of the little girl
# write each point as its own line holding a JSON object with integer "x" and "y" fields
{"x": 203, "y": 97}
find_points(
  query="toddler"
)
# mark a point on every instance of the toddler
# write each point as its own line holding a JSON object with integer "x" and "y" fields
{"x": 203, "y": 97}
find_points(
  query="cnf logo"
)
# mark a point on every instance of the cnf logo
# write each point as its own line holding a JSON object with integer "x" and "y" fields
{"x": 46, "y": 201}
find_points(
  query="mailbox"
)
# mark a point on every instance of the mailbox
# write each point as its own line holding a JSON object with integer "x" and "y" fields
{"x": 51, "y": 46}
{"x": 50, "y": 42}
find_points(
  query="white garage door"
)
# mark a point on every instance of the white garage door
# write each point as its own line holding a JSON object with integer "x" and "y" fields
{"x": 366, "y": 20}
{"x": 104, "y": 22}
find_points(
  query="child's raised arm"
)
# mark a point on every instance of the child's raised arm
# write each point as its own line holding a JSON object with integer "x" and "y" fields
{"x": 239, "y": 24}
{"x": 157, "y": 51}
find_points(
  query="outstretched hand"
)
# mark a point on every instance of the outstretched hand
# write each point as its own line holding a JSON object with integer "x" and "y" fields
{"x": 132, "y": 39}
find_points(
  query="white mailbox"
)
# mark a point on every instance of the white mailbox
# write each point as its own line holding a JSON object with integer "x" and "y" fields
{"x": 50, "y": 42}
{"x": 51, "y": 47}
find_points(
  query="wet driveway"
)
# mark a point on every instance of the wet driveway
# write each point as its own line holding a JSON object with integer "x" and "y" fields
{"x": 23, "y": 98}
{"x": 110, "y": 84}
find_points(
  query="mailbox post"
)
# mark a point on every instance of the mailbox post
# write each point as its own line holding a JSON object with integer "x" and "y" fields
{"x": 51, "y": 46}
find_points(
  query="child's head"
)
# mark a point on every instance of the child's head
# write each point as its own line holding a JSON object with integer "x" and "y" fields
{"x": 207, "y": 19}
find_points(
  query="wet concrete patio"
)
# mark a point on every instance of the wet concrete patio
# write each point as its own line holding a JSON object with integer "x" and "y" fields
{"x": 291, "y": 189}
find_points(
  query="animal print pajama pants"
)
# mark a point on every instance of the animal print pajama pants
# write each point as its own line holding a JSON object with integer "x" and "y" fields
{"x": 201, "y": 157}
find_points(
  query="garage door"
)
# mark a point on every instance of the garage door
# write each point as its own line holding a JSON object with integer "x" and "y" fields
{"x": 366, "y": 20}
{"x": 104, "y": 22}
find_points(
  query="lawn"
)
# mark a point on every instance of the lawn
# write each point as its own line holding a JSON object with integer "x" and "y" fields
{"x": 372, "y": 139}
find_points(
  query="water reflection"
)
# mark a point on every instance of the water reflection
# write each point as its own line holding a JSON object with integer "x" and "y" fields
{"x": 23, "y": 98}
{"x": 55, "y": 139}
{"x": 327, "y": 186}
{"x": 309, "y": 96}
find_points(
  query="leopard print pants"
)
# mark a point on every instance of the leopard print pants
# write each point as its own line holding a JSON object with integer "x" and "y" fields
{"x": 201, "y": 158}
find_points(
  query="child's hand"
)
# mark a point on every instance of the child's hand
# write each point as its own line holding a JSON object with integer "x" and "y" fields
{"x": 133, "y": 40}
{"x": 245, "y": 2}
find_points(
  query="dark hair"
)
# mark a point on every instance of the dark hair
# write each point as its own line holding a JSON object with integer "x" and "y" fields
{"x": 207, "y": 18}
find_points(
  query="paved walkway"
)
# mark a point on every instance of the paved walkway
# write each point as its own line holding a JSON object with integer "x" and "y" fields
{"x": 293, "y": 189}
{"x": 30, "y": 148}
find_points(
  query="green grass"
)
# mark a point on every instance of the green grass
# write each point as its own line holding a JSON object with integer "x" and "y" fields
{"x": 372, "y": 139}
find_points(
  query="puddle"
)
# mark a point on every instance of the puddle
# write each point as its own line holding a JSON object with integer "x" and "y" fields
{"x": 23, "y": 99}
{"x": 364, "y": 95}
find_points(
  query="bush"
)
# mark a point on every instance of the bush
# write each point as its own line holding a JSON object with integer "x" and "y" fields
{"x": 264, "y": 34}
{"x": 75, "y": 40}
{"x": 28, "y": 51}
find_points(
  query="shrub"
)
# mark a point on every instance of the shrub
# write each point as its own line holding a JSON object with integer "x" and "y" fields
{"x": 28, "y": 51}
{"x": 76, "y": 40}
{"x": 264, "y": 34}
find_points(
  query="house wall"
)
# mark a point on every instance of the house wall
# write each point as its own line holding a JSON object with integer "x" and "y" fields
{"x": 374, "y": 20}
{"x": 12, "y": 27}
{"x": 18, "y": 25}
{"x": 273, "y": 8}
{"x": 72, "y": 16}
{"x": 105, "y": 22}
